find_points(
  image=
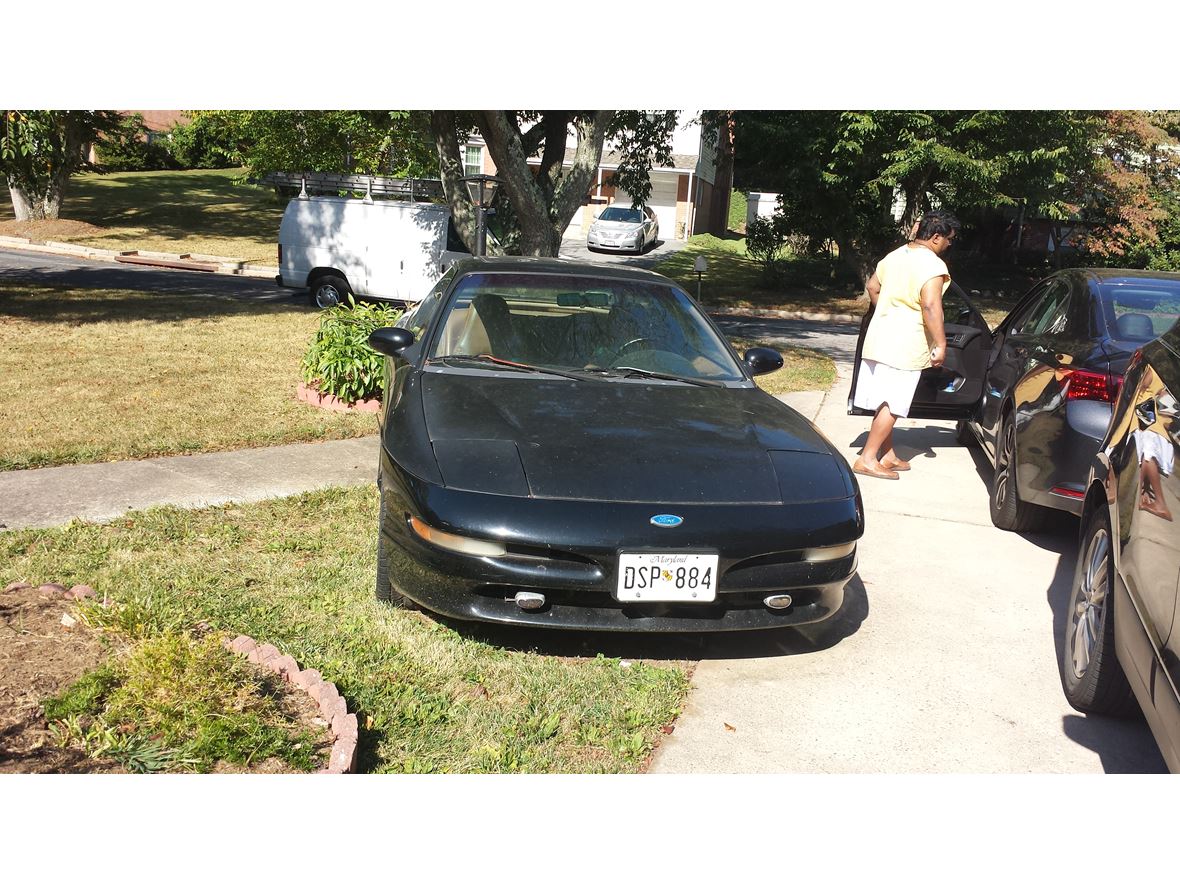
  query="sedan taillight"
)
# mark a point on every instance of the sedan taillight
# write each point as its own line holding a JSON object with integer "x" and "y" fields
{"x": 1100, "y": 387}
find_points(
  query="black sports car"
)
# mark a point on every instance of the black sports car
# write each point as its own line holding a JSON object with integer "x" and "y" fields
{"x": 1122, "y": 630}
{"x": 577, "y": 446}
{"x": 1038, "y": 391}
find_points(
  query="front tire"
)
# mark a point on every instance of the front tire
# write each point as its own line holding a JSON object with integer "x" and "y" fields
{"x": 328, "y": 290}
{"x": 1093, "y": 679}
{"x": 1008, "y": 512}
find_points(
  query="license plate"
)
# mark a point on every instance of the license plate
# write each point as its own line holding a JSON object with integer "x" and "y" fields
{"x": 667, "y": 577}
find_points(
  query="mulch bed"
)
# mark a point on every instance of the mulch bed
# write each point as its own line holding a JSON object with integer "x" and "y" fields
{"x": 39, "y": 656}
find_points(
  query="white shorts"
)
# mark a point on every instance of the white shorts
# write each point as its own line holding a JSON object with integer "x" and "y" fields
{"x": 1158, "y": 448}
{"x": 878, "y": 384}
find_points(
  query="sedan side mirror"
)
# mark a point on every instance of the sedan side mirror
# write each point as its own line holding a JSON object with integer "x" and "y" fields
{"x": 392, "y": 341}
{"x": 760, "y": 360}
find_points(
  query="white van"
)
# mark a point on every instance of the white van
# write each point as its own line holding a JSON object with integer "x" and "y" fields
{"x": 389, "y": 250}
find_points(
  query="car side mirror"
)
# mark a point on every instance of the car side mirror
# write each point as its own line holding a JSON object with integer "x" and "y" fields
{"x": 760, "y": 360}
{"x": 391, "y": 341}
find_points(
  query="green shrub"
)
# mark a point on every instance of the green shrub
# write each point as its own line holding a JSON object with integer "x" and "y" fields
{"x": 128, "y": 149}
{"x": 340, "y": 361}
{"x": 764, "y": 242}
{"x": 205, "y": 143}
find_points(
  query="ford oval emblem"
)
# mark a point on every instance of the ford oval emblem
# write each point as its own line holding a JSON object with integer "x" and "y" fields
{"x": 667, "y": 520}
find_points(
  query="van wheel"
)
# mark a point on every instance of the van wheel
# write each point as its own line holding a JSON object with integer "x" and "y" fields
{"x": 329, "y": 290}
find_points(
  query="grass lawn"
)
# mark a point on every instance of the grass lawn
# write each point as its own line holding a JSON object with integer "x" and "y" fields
{"x": 200, "y": 210}
{"x": 803, "y": 368}
{"x": 101, "y": 375}
{"x": 299, "y": 573}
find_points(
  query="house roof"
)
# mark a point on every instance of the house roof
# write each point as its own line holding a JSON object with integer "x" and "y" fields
{"x": 611, "y": 159}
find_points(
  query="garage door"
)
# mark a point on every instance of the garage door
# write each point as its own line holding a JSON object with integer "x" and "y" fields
{"x": 662, "y": 201}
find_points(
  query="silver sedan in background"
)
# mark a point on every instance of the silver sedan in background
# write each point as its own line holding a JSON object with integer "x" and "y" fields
{"x": 621, "y": 228}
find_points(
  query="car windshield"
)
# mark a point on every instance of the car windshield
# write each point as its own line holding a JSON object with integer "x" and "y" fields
{"x": 618, "y": 213}
{"x": 1140, "y": 309}
{"x": 590, "y": 325}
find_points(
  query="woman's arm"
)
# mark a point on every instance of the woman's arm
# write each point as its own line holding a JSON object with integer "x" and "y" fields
{"x": 932, "y": 317}
{"x": 873, "y": 287}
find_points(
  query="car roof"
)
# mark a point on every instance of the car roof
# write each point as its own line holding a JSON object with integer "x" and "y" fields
{"x": 590, "y": 270}
{"x": 1119, "y": 274}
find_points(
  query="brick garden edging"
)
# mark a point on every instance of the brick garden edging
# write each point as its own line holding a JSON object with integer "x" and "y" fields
{"x": 341, "y": 723}
{"x": 326, "y": 401}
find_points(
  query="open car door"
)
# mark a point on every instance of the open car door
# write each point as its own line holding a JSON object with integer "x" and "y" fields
{"x": 954, "y": 389}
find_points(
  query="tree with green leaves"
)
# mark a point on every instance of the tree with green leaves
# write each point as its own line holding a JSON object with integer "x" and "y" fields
{"x": 41, "y": 150}
{"x": 352, "y": 142}
{"x": 839, "y": 174}
{"x": 535, "y": 203}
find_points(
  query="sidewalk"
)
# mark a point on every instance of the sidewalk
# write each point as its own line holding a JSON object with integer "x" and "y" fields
{"x": 177, "y": 260}
{"x": 98, "y": 492}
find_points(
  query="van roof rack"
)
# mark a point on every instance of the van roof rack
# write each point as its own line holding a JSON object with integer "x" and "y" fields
{"x": 332, "y": 183}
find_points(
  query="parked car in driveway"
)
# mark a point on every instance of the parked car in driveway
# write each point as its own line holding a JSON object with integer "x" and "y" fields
{"x": 1122, "y": 630}
{"x": 620, "y": 228}
{"x": 1037, "y": 392}
{"x": 577, "y": 446}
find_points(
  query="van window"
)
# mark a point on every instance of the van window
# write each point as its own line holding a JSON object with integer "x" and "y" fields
{"x": 454, "y": 241}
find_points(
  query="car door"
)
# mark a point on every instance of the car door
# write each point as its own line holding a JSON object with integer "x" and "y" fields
{"x": 952, "y": 390}
{"x": 1042, "y": 352}
{"x": 1145, "y": 449}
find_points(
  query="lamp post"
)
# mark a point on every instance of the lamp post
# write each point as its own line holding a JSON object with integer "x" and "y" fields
{"x": 482, "y": 189}
{"x": 700, "y": 266}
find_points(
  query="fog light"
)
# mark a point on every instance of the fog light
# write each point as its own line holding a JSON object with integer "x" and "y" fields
{"x": 778, "y": 601}
{"x": 458, "y": 543}
{"x": 529, "y": 601}
{"x": 827, "y": 554}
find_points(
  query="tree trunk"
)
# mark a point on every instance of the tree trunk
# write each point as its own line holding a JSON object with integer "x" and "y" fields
{"x": 543, "y": 217}
{"x": 450, "y": 167}
{"x": 22, "y": 206}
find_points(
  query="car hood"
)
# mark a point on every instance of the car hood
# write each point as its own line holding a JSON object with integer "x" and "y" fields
{"x": 617, "y": 226}
{"x": 624, "y": 441}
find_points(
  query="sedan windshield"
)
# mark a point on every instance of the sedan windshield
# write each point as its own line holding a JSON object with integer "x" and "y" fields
{"x": 595, "y": 326}
{"x": 618, "y": 213}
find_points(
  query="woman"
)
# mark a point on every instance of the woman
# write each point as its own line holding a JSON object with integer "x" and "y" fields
{"x": 905, "y": 336}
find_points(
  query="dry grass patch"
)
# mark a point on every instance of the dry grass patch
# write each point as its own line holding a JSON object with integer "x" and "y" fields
{"x": 803, "y": 368}
{"x": 203, "y": 211}
{"x": 90, "y": 375}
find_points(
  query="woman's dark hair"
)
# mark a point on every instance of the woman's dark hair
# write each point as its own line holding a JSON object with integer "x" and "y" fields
{"x": 937, "y": 222}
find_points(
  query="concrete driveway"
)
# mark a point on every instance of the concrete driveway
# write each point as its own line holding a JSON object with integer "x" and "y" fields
{"x": 575, "y": 249}
{"x": 944, "y": 657}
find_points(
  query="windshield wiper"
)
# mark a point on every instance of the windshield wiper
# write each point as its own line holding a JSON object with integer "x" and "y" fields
{"x": 485, "y": 358}
{"x": 632, "y": 371}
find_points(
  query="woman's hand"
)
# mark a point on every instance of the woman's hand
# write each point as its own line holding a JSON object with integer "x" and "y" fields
{"x": 938, "y": 355}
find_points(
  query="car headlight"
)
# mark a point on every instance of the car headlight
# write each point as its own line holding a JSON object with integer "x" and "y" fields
{"x": 457, "y": 543}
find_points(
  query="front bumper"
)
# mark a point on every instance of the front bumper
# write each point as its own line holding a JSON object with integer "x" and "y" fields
{"x": 568, "y": 551}
{"x": 628, "y": 244}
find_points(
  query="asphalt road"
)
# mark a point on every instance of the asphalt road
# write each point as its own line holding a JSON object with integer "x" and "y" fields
{"x": 42, "y": 267}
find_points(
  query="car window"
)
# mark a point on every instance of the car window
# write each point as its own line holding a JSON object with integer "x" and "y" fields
{"x": 957, "y": 309}
{"x": 579, "y": 322}
{"x": 618, "y": 213}
{"x": 417, "y": 318}
{"x": 1047, "y": 314}
{"x": 1140, "y": 309}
